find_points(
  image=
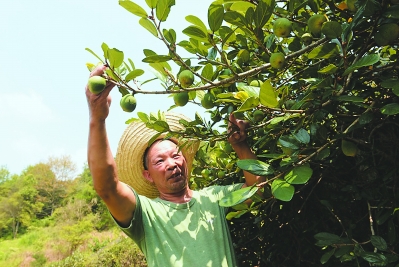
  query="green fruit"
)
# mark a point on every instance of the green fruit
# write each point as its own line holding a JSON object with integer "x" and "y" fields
{"x": 256, "y": 83}
{"x": 315, "y": 23}
{"x": 331, "y": 29}
{"x": 128, "y": 103}
{"x": 96, "y": 84}
{"x": 180, "y": 99}
{"x": 221, "y": 174}
{"x": 277, "y": 60}
{"x": 282, "y": 27}
{"x": 306, "y": 38}
{"x": 258, "y": 115}
{"x": 186, "y": 78}
{"x": 386, "y": 34}
{"x": 205, "y": 173}
{"x": 348, "y": 148}
{"x": 208, "y": 101}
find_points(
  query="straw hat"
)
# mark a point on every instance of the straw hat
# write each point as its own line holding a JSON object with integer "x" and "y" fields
{"x": 131, "y": 148}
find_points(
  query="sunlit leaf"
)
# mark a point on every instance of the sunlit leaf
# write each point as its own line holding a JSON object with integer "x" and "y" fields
{"x": 207, "y": 71}
{"x": 256, "y": 167}
{"x": 267, "y": 95}
{"x": 151, "y": 3}
{"x": 330, "y": 69}
{"x": 149, "y": 26}
{"x": 133, "y": 8}
{"x": 282, "y": 190}
{"x": 195, "y": 32}
{"x": 363, "y": 62}
{"x": 163, "y": 9}
{"x": 324, "y": 51}
{"x": 157, "y": 58}
{"x": 215, "y": 16}
{"x": 238, "y": 196}
{"x": 299, "y": 175}
{"x": 134, "y": 74}
{"x": 115, "y": 57}
{"x": 249, "y": 104}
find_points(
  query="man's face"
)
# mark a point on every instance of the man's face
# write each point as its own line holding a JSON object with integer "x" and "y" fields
{"x": 166, "y": 167}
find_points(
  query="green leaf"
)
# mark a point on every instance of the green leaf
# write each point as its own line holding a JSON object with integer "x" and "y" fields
{"x": 133, "y": 8}
{"x": 326, "y": 239}
{"x": 256, "y": 167}
{"x": 375, "y": 258}
{"x": 392, "y": 12}
{"x": 207, "y": 71}
{"x": 263, "y": 11}
{"x": 163, "y": 10}
{"x": 390, "y": 109}
{"x": 267, "y": 95}
{"x": 248, "y": 104}
{"x": 331, "y": 29}
{"x": 350, "y": 98}
{"x": 326, "y": 256}
{"x": 196, "y": 33}
{"x": 215, "y": 16}
{"x": 115, "y": 57}
{"x": 94, "y": 54}
{"x": 299, "y": 175}
{"x": 159, "y": 126}
{"x": 157, "y": 58}
{"x": 282, "y": 190}
{"x": 197, "y": 22}
{"x": 363, "y": 62}
{"x": 288, "y": 142}
{"x": 238, "y": 196}
{"x": 152, "y": 3}
{"x": 149, "y": 26}
{"x": 170, "y": 35}
{"x": 324, "y": 51}
{"x": 105, "y": 48}
{"x": 379, "y": 242}
{"x": 134, "y": 74}
{"x": 235, "y": 18}
{"x": 330, "y": 69}
{"x": 302, "y": 136}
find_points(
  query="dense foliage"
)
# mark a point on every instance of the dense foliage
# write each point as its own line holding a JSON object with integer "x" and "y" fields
{"x": 318, "y": 80}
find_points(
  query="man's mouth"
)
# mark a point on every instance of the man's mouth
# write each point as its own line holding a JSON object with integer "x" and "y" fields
{"x": 175, "y": 175}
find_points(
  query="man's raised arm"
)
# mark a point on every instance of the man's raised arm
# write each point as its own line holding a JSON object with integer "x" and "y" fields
{"x": 118, "y": 197}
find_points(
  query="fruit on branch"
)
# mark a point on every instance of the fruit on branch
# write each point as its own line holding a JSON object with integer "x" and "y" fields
{"x": 256, "y": 83}
{"x": 282, "y": 27}
{"x": 96, "y": 84}
{"x": 349, "y": 148}
{"x": 186, "y": 78}
{"x": 180, "y": 99}
{"x": 258, "y": 115}
{"x": 306, "y": 38}
{"x": 208, "y": 101}
{"x": 128, "y": 103}
{"x": 386, "y": 34}
{"x": 277, "y": 60}
{"x": 315, "y": 23}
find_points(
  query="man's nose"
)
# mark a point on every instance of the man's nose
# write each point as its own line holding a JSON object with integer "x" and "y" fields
{"x": 171, "y": 163}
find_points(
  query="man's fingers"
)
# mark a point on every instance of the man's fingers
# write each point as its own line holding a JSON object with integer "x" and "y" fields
{"x": 98, "y": 71}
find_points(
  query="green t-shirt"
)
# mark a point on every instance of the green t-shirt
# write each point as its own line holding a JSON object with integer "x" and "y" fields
{"x": 189, "y": 234}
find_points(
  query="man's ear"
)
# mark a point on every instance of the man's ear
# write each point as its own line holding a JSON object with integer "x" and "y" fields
{"x": 147, "y": 176}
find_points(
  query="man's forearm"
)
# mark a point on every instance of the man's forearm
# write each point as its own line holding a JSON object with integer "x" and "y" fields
{"x": 100, "y": 158}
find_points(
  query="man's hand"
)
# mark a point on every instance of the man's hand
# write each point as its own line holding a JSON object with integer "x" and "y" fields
{"x": 237, "y": 130}
{"x": 99, "y": 103}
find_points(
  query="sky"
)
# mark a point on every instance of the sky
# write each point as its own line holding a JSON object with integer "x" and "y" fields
{"x": 43, "y": 108}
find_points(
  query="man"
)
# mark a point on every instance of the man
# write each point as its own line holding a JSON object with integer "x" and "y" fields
{"x": 172, "y": 224}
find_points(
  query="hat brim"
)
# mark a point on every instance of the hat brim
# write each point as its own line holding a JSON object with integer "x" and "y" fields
{"x": 132, "y": 145}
